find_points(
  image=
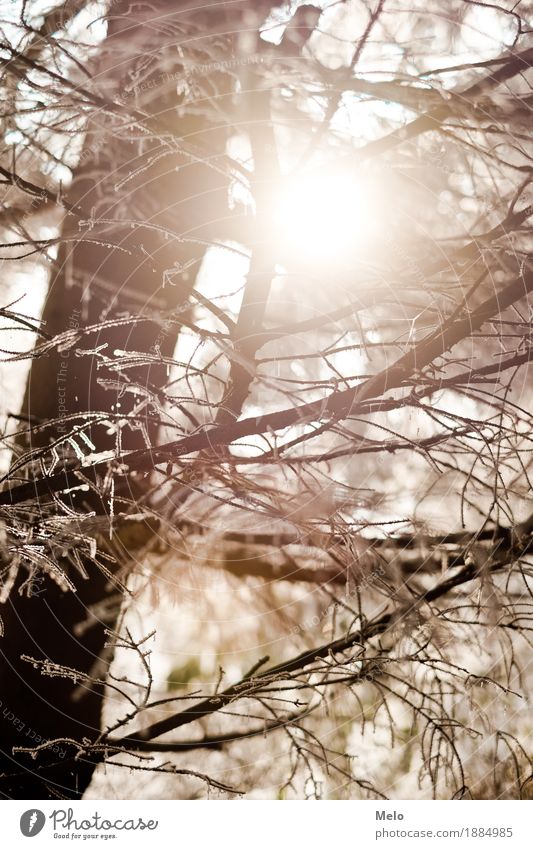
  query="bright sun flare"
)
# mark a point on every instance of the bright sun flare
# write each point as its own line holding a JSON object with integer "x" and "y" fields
{"x": 325, "y": 217}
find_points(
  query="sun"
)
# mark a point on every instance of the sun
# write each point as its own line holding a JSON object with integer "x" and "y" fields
{"x": 325, "y": 217}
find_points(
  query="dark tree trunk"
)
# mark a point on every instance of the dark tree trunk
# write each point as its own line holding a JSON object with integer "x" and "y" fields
{"x": 90, "y": 282}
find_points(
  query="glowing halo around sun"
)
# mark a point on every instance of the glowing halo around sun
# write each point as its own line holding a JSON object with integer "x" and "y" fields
{"x": 324, "y": 216}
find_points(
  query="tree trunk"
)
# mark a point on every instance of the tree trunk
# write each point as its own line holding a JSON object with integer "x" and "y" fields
{"x": 90, "y": 282}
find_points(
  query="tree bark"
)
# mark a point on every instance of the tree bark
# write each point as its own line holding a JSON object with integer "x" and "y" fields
{"x": 92, "y": 281}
